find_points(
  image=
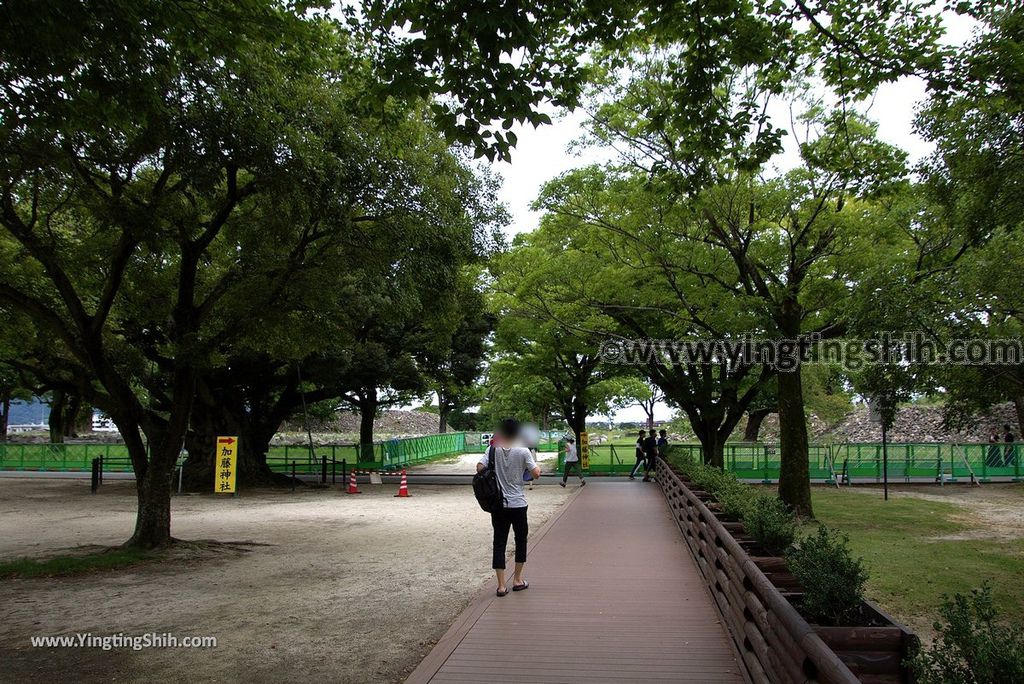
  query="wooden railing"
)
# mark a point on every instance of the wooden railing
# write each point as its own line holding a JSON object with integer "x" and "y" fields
{"x": 775, "y": 642}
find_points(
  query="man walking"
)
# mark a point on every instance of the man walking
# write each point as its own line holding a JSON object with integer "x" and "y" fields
{"x": 651, "y": 453}
{"x": 572, "y": 460}
{"x": 1009, "y": 451}
{"x": 641, "y": 457}
{"x": 510, "y": 462}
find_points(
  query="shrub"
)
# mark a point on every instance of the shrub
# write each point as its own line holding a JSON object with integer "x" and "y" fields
{"x": 833, "y": 580}
{"x": 713, "y": 480}
{"x": 771, "y": 523}
{"x": 971, "y": 646}
{"x": 735, "y": 500}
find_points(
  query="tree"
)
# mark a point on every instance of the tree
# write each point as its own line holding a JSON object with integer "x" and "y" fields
{"x": 11, "y": 387}
{"x": 543, "y": 345}
{"x": 640, "y": 392}
{"x": 781, "y": 248}
{"x": 973, "y": 180}
{"x": 765, "y": 404}
{"x": 144, "y": 231}
{"x": 852, "y": 45}
{"x": 389, "y": 293}
{"x": 607, "y": 248}
{"x": 455, "y": 351}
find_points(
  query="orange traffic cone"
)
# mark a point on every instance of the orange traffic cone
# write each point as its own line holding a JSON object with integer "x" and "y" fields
{"x": 353, "y": 488}
{"x": 403, "y": 488}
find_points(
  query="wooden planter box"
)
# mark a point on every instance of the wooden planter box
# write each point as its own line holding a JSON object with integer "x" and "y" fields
{"x": 755, "y": 595}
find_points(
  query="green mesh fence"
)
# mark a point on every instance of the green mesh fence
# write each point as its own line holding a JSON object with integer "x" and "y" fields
{"x": 63, "y": 457}
{"x": 950, "y": 462}
{"x": 390, "y": 455}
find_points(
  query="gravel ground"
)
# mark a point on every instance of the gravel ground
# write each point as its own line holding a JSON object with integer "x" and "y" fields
{"x": 466, "y": 464}
{"x": 321, "y": 586}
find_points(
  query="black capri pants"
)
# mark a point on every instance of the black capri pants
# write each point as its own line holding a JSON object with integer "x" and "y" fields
{"x": 501, "y": 520}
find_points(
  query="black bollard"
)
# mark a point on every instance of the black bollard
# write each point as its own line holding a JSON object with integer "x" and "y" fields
{"x": 293, "y": 476}
{"x": 95, "y": 474}
{"x": 323, "y": 470}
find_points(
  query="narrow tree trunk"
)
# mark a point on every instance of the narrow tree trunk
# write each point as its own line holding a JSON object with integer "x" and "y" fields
{"x": 153, "y": 519}
{"x": 71, "y": 417}
{"x": 794, "y": 476}
{"x": 578, "y": 417}
{"x": 442, "y": 423}
{"x": 5, "y": 413}
{"x": 367, "y": 412}
{"x": 754, "y": 420}
{"x": 58, "y": 406}
{"x": 649, "y": 410}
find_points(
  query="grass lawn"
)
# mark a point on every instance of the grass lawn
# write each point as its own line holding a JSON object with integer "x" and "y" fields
{"x": 72, "y": 565}
{"x": 917, "y": 549}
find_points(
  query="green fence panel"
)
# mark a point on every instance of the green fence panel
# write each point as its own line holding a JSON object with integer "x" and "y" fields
{"x": 757, "y": 461}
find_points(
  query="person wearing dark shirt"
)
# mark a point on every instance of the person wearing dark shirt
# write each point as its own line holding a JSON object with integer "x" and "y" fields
{"x": 662, "y": 442}
{"x": 641, "y": 457}
{"x": 651, "y": 453}
{"x": 993, "y": 459}
{"x": 1009, "y": 451}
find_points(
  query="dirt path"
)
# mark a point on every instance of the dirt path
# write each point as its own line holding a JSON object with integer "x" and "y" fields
{"x": 466, "y": 464}
{"x": 346, "y": 588}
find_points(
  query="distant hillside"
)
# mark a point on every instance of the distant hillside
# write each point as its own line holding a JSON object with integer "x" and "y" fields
{"x": 29, "y": 412}
{"x": 913, "y": 424}
{"x": 392, "y": 423}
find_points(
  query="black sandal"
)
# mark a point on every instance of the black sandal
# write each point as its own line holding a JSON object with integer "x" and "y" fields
{"x": 522, "y": 587}
{"x": 500, "y": 593}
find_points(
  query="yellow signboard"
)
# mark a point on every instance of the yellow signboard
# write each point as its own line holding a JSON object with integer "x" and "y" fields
{"x": 224, "y": 463}
{"x": 584, "y": 451}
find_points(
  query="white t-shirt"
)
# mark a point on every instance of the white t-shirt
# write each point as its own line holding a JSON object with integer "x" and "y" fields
{"x": 570, "y": 453}
{"x": 509, "y": 466}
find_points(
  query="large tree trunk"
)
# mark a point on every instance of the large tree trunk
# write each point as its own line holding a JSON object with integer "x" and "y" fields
{"x": 255, "y": 431}
{"x": 794, "y": 476}
{"x": 712, "y": 444}
{"x": 367, "y": 412}
{"x": 754, "y": 420}
{"x": 442, "y": 423}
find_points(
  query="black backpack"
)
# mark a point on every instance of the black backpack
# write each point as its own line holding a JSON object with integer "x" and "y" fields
{"x": 486, "y": 488}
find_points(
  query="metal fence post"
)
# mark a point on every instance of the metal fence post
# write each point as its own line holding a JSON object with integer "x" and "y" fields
{"x": 293, "y": 476}
{"x": 323, "y": 469}
{"x": 344, "y": 467}
{"x": 95, "y": 474}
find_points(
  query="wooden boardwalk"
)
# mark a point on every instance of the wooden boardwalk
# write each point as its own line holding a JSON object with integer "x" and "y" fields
{"x": 614, "y": 597}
